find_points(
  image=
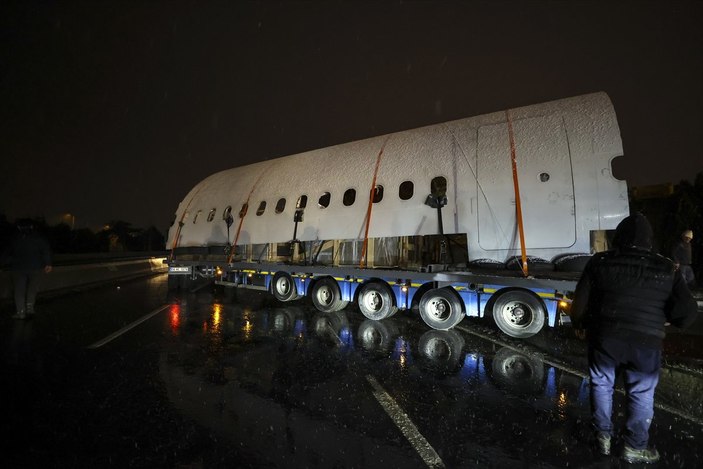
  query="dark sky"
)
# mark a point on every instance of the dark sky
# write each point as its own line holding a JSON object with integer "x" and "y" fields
{"x": 114, "y": 110}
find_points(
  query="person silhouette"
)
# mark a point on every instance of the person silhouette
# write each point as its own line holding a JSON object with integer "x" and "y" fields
{"x": 622, "y": 302}
{"x": 29, "y": 257}
{"x": 682, "y": 257}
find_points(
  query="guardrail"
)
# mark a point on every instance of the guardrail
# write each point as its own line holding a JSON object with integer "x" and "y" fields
{"x": 83, "y": 270}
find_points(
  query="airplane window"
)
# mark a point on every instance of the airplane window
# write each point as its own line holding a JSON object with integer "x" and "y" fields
{"x": 302, "y": 201}
{"x": 244, "y": 210}
{"x": 227, "y": 212}
{"x": 406, "y": 190}
{"x": 324, "y": 200}
{"x": 281, "y": 205}
{"x": 349, "y": 197}
{"x": 439, "y": 186}
{"x": 377, "y": 194}
{"x": 211, "y": 215}
{"x": 261, "y": 209}
{"x": 197, "y": 214}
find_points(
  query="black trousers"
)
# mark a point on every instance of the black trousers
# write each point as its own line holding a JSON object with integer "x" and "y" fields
{"x": 26, "y": 288}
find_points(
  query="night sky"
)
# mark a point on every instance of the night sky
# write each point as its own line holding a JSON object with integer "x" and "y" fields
{"x": 115, "y": 110}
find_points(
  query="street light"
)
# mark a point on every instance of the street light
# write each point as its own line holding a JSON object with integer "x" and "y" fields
{"x": 69, "y": 219}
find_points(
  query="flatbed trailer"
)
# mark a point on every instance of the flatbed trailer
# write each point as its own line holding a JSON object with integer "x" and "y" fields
{"x": 519, "y": 306}
{"x": 488, "y": 216}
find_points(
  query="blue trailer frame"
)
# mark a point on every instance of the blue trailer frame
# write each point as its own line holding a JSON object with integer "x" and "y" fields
{"x": 519, "y": 306}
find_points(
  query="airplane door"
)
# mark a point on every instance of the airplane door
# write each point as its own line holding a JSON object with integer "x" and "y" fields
{"x": 545, "y": 177}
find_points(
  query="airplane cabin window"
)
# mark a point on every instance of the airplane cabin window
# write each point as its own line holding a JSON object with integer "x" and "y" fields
{"x": 262, "y": 208}
{"x": 377, "y": 194}
{"x": 281, "y": 205}
{"x": 227, "y": 212}
{"x": 406, "y": 190}
{"x": 302, "y": 201}
{"x": 324, "y": 200}
{"x": 211, "y": 215}
{"x": 349, "y": 197}
{"x": 438, "y": 186}
{"x": 197, "y": 214}
{"x": 244, "y": 210}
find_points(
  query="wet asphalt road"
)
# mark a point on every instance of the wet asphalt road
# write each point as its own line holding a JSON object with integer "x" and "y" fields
{"x": 133, "y": 377}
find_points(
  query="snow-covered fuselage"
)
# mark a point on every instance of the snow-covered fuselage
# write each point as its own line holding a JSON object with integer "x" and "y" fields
{"x": 563, "y": 151}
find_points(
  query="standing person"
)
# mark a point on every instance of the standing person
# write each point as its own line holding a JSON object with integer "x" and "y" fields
{"x": 623, "y": 300}
{"x": 29, "y": 257}
{"x": 682, "y": 256}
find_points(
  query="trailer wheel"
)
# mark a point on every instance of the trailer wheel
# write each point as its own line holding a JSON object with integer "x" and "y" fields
{"x": 283, "y": 287}
{"x": 519, "y": 314}
{"x": 441, "y": 309}
{"x": 326, "y": 296}
{"x": 376, "y": 301}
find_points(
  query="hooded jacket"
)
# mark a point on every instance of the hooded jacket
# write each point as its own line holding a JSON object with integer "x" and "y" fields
{"x": 28, "y": 251}
{"x": 630, "y": 292}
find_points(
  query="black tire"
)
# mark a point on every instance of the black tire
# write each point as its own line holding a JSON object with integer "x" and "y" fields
{"x": 486, "y": 264}
{"x": 516, "y": 372}
{"x": 326, "y": 296}
{"x": 376, "y": 336}
{"x": 441, "y": 348}
{"x": 534, "y": 264}
{"x": 375, "y": 301}
{"x": 441, "y": 308}
{"x": 283, "y": 287}
{"x": 518, "y": 313}
{"x": 571, "y": 262}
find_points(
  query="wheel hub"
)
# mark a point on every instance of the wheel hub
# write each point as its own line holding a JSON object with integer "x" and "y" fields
{"x": 439, "y": 309}
{"x": 324, "y": 294}
{"x": 373, "y": 301}
{"x": 515, "y": 313}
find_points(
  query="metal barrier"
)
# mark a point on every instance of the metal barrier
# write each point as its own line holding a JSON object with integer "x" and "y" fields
{"x": 78, "y": 271}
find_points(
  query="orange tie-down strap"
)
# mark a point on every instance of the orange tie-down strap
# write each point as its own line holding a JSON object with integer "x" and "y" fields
{"x": 242, "y": 214}
{"x": 362, "y": 262}
{"x": 516, "y": 186}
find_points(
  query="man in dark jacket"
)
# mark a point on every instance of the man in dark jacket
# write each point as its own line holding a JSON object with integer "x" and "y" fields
{"x": 623, "y": 300}
{"x": 682, "y": 256}
{"x": 29, "y": 257}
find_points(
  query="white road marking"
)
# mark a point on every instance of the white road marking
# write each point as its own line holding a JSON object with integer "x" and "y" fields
{"x": 115, "y": 335}
{"x": 405, "y": 425}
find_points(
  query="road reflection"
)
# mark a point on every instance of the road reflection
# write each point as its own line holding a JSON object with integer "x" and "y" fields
{"x": 285, "y": 375}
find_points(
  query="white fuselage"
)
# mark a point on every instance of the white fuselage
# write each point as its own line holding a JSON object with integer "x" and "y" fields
{"x": 563, "y": 151}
